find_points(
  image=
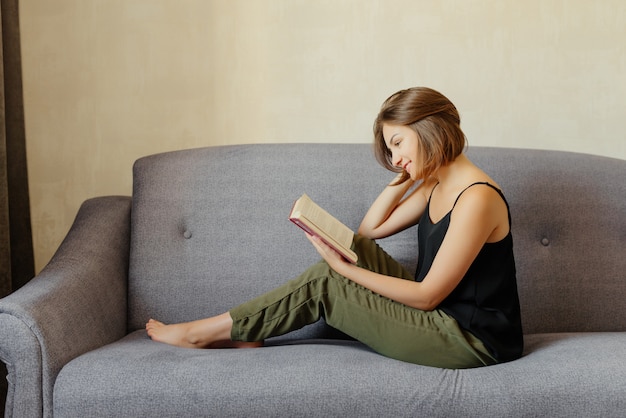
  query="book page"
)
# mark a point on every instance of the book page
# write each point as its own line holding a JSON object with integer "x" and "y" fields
{"x": 319, "y": 222}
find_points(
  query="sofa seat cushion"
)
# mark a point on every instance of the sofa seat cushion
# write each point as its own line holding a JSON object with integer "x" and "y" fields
{"x": 563, "y": 375}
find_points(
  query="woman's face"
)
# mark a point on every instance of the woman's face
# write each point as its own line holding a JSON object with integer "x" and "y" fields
{"x": 403, "y": 143}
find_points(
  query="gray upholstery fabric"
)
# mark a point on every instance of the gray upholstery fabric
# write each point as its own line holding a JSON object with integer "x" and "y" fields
{"x": 569, "y": 234}
{"x": 562, "y": 375}
{"x": 76, "y": 304}
{"x": 21, "y": 352}
{"x": 232, "y": 204}
{"x": 208, "y": 229}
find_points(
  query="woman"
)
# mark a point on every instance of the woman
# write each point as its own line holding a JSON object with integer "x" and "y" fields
{"x": 461, "y": 308}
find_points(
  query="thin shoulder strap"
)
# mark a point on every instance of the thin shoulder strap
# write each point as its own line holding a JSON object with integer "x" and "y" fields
{"x": 494, "y": 188}
{"x": 433, "y": 190}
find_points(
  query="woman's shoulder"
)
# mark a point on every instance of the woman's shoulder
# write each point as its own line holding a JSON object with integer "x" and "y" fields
{"x": 476, "y": 175}
{"x": 481, "y": 190}
{"x": 485, "y": 201}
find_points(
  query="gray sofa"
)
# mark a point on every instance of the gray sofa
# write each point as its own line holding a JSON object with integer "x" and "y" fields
{"x": 207, "y": 229}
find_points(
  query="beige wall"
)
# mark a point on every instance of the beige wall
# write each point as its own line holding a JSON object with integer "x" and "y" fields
{"x": 108, "y": 81}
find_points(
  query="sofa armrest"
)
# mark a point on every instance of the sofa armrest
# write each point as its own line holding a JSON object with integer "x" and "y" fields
{"x": 76, "y": 304}
{"x": 20, "y": 351}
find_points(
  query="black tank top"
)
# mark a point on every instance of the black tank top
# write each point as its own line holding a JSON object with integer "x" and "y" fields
{"x": 485, "y": 302}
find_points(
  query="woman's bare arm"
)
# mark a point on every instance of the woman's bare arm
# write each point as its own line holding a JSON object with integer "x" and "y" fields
{"x": 394, "y": 210}
{"x": 476, "y": 218}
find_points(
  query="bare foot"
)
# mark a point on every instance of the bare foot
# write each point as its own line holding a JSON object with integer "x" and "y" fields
{"x": 175, "y": 334}
{"x": 204, "y": 333}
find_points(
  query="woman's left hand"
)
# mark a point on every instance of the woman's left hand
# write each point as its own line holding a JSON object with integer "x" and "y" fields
{"x": 332, "y": 257}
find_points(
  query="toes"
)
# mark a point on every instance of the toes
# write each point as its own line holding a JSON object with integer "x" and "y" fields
{"x": 152, "y": 324}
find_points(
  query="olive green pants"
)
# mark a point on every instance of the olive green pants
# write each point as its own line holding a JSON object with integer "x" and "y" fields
{"x": 390, "y": 328}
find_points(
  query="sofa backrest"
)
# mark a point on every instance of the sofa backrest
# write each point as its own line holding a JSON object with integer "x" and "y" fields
{"x": 210, "y": 228}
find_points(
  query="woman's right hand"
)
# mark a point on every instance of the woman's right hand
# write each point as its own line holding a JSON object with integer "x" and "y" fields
{"x": 392, "y": 212}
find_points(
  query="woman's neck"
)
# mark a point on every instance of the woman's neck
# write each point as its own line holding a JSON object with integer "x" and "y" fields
{"x": 455, "y": 171}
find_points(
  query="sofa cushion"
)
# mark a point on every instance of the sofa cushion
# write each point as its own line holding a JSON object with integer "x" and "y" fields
{"x": 210, "y": 226}
{"x": 560, "y": 375}
{"x": 568, "y": 213}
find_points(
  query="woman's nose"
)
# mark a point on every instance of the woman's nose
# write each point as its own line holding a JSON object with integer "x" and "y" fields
{"x": 396, "y": 160}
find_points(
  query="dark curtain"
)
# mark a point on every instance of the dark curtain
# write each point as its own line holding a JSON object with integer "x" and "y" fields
{"x": 16, "y": 258}
{"x": 16, "y": 244}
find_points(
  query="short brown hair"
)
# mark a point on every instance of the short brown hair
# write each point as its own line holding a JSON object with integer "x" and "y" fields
{"x": 435, "y": 120}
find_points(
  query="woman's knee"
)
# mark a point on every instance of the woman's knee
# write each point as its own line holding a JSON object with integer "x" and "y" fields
{"x": 375, "y": 258}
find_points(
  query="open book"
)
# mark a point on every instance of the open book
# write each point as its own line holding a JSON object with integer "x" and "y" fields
{"x": 316, "y": 221}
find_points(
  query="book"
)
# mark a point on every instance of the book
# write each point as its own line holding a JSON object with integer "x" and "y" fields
{"x": 309, "y": 216}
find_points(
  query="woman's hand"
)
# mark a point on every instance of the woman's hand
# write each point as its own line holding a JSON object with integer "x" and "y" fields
{"x": 332, "y": 257}
{"x": 395, "y": 209}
